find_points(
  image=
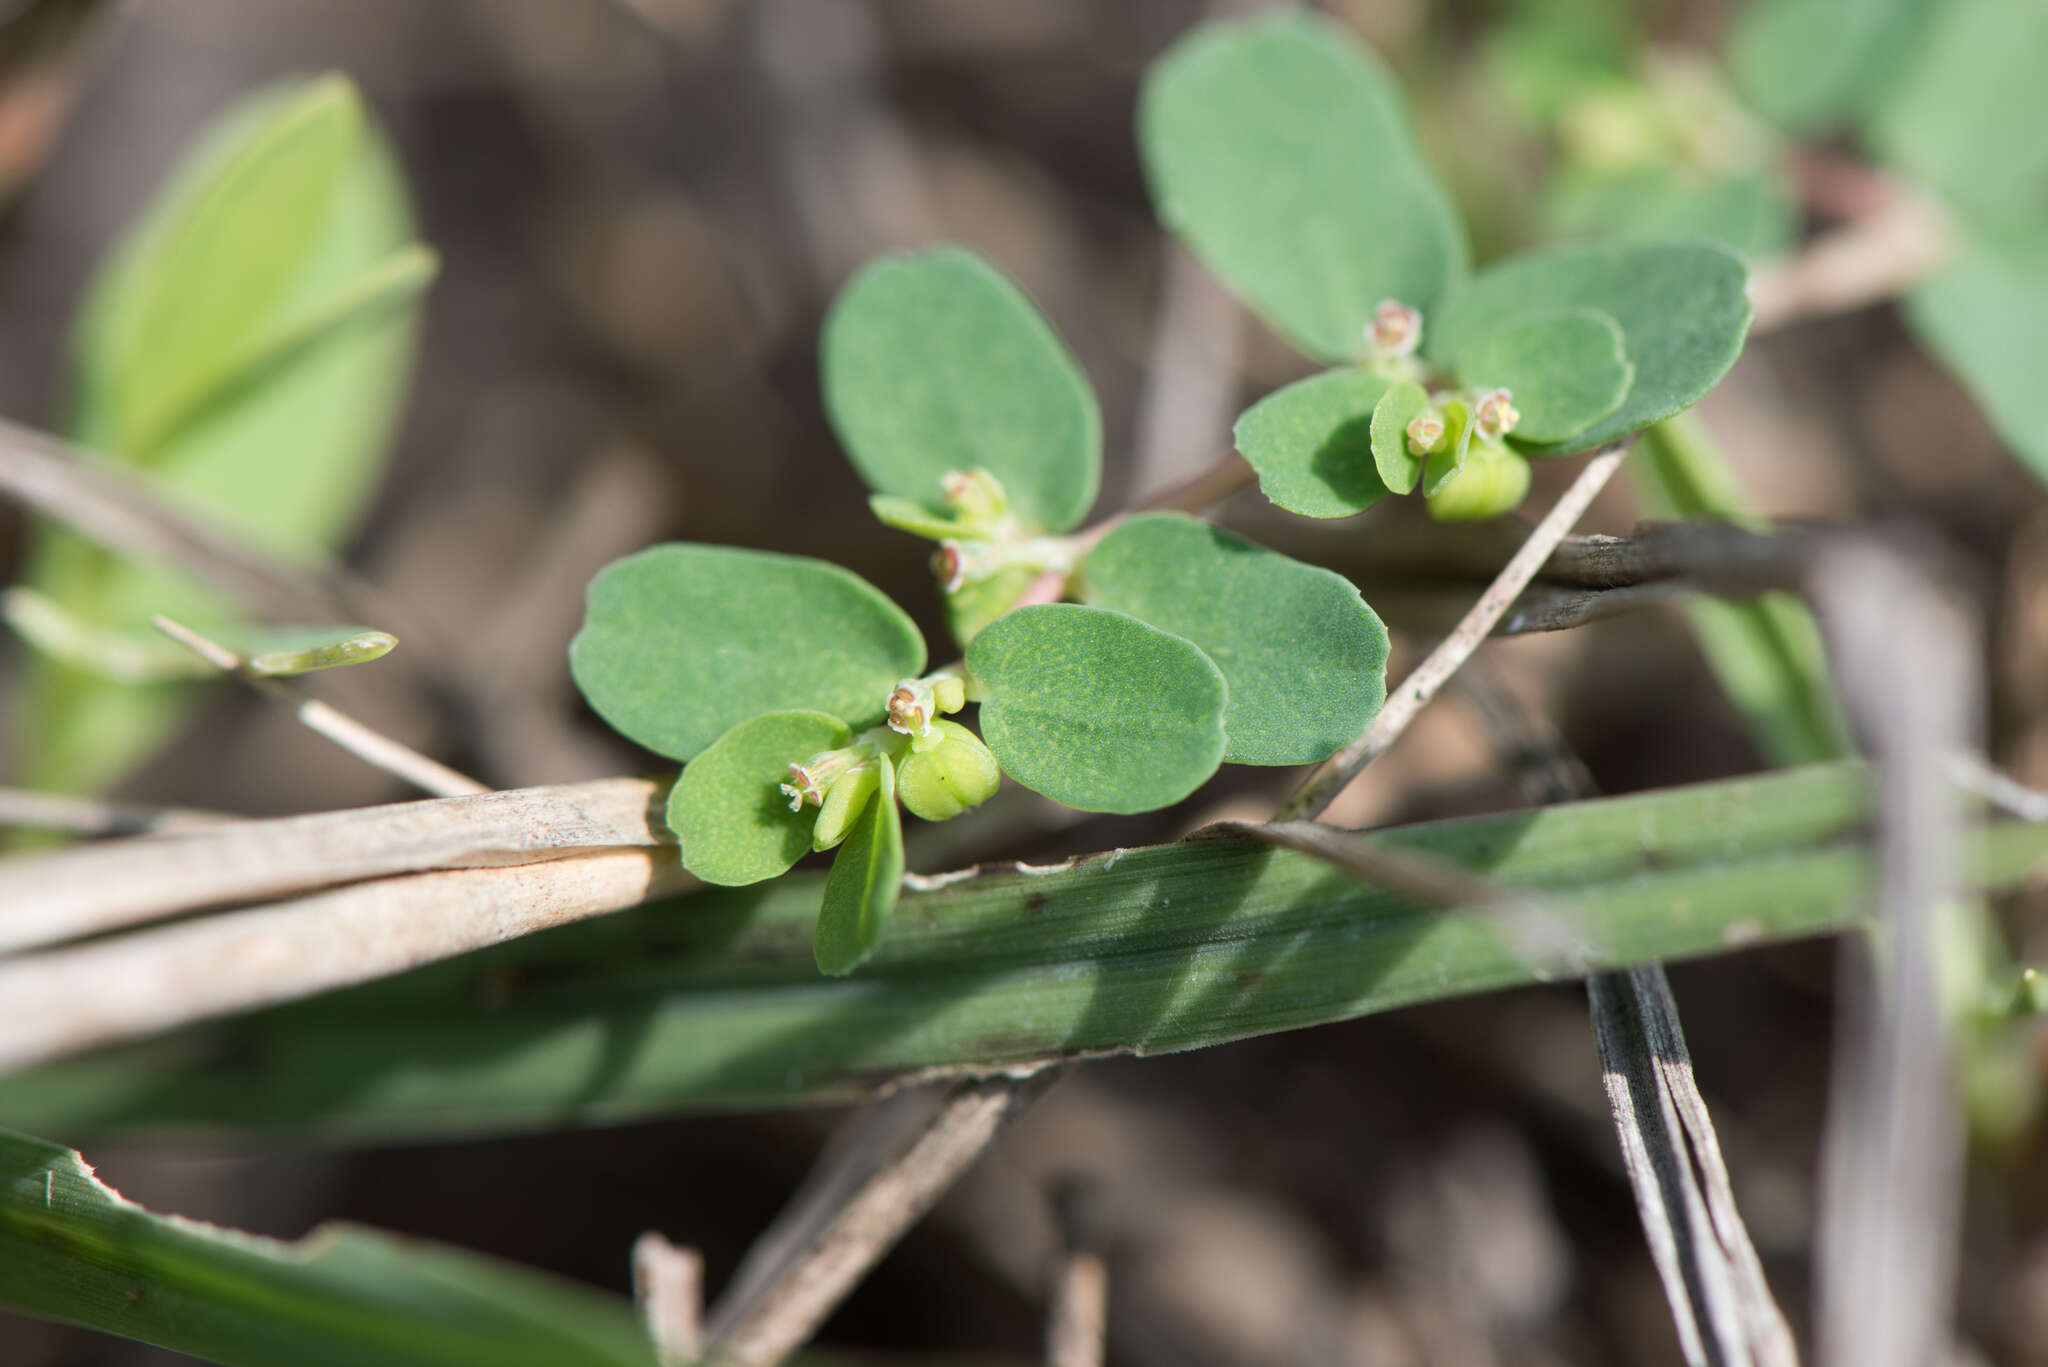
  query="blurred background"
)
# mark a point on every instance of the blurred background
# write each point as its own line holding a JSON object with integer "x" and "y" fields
{"x": 642, "y": 208}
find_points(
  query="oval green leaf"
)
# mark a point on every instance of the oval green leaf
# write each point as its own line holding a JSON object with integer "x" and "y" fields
{"x": 866, "y": 879}
{"x": 936, "y": 362}
{"x": 1403, "y": 403}
{"x": 1304, "y": 657}
{"x": 1312, "y": 443}
{"x": 728, "y": 809}
{"x": 1683, "y": 310}
{"x": 1096, "y": 709}
{"x": 681, "y": 643}
{"x": 1566, "y": 371}
{"x": 1278, "y": 150}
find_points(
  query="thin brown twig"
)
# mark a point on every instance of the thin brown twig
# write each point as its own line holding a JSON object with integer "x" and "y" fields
{"x": 1874, "y": 258}
{"x": 1421, "y": 685}
{"x": 873, "y": 1182}
{"x": 366, "y": 743}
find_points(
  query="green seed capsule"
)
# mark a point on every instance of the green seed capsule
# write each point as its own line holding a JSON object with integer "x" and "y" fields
{"x": 1493, "y": 481}
{"x": 946, "y": 779}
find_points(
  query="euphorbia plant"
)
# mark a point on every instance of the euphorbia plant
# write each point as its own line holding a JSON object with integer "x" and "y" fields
{"x": 794, "y": 692}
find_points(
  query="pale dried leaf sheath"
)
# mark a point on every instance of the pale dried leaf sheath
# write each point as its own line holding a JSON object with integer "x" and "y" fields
{"x": 66, "y": 1001}
{"x": 66, "y": 894}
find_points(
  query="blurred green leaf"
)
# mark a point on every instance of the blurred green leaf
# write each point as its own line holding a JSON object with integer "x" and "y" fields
{"x": 1566, "y": 371}
{"x": 1808, "y": 64}
{"x": 1985, "y": 315}
{"x": 72, "y": 1249}
{"x": 866, "y": 879}
{"x": 1098, "y": 710}
{"x": 1278, "y": 149}
{"x": 681, "y": 643}
{"x": 247, "y": 345}
{"x": 1304, "y": 658}
{"x": 280, "y": 652}
{"x": 728, "y": 808}
{"x": 1402, "y": 403}
{"x": 1750, "y": 215}
{"x": 1765, "y": 651}
{"x": 1311, "y": 443}
{"x": 714, "y": 1000}
{"x": 1683, "y": 310}
{"x": 936, "y": 362}
{"x": 1966, "y": 117}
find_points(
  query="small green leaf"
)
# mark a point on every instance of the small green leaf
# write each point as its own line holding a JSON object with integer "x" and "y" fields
{"x": 915, "y": 518}
{"x": 1098, "y": 710}
{"x": 283, "y": 651}
{"x": 680, "y": 643}
{"x": 728, "y": 808}
{"x": 1312, "y": 443}
{"x": 1566, "y": 371}
{"x": 1304, "y": 657}
{"x": 866, "y": 879}
{"x": 1449, "y": 463}
{"x": 936, "y": 362}
{"x": 1985, "y": 315}
{"x": 1278, "y": 150}
{"x": 1683, "y": 310}
{"x": 1399, "y": 467}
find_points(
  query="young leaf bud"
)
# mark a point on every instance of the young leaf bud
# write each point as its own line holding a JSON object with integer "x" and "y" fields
{"x": 845, "y": 801}
{"x": 946, "y": 779}
{"x": 949, "y": 691}
{"x": 1494, "y": 414}
{"x": 1394, "y": 332}
{"x": 975, "y": 496}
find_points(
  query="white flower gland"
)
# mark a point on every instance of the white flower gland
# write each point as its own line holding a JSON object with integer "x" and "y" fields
{"x": 1394, "y": 332}
{"x": 1494, "y": 413}
{"x": 1426, "y": 434}
{"x": 911, "y": 709}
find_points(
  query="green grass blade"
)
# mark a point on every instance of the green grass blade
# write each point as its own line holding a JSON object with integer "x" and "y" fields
{"x": 1766, "y": 651}
{"x": 714, "y": 1001}
{"x": 72, "y": 1249}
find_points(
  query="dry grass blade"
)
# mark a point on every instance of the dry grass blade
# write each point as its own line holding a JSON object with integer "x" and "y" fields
{"x": 1891, "y": 1158}
{"x": 66, "y": 1001}
{"x": 23, "y": 809}
{"x": 1712, "y": 1277}
{"x": 880, "y": 1173}
{"x": 66, "y": 894}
